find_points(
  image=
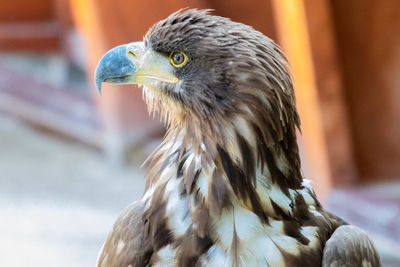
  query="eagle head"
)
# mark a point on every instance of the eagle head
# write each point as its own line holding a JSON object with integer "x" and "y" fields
{"x": 215, "y": 82}
{"x": 193, "y": 65}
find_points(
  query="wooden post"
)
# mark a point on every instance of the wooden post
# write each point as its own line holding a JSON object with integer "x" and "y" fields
{"x": 331, "y": 92}
{"x": 294, "y": 37}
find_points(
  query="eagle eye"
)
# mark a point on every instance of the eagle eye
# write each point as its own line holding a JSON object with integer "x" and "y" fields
{"x": 178, "y": 59}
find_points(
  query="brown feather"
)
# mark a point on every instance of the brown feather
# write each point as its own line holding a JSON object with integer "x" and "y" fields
{"x": 350, "y": 246}
{"x": 126, "y": 244}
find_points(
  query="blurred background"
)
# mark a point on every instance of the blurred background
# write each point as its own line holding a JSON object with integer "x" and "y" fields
{"x": 69, "y": 159}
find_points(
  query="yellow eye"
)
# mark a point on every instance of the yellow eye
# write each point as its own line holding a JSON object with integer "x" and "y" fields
{"x": 178, "y": 59}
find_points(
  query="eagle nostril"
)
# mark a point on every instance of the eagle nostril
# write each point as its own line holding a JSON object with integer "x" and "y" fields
{"x": 132, "y": 54}
{"x": 134, "y": 50}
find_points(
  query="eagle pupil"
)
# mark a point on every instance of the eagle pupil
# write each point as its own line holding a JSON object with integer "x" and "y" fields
{"x": 178, "y": 58}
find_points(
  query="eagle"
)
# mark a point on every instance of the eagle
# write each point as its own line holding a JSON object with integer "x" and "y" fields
{"x": 224, "y": 188}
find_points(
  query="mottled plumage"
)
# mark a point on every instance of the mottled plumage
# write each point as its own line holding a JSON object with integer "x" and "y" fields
{"x": 224, "y": 188}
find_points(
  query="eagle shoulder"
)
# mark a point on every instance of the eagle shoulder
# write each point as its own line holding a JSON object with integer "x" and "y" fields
{"x": 125, "y": 244}
{"x": 350, "y": 246}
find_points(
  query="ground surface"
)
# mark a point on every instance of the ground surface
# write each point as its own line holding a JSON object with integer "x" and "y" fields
{"x": 59, "y": 199}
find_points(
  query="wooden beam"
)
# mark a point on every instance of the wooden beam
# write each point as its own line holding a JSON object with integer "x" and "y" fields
{"x": 26, "y": 10}
{"x": 54, "y": 108}
{"x": 36, "y": 36}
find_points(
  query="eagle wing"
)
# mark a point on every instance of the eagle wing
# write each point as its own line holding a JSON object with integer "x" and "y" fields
{"x": 126, "y": 245}
{"x": 350, "y": 246}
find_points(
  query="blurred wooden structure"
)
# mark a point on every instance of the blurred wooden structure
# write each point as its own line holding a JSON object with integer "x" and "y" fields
{"x": 35, "y": 25}
{"x": 354, "y": 47}
{"x": 345, "y": 56}
{"x": 43, "y": 27}
{"x": 368, "y": 34}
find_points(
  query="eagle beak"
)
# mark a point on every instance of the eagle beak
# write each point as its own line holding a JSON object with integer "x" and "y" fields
{"x": 133, "y": 64}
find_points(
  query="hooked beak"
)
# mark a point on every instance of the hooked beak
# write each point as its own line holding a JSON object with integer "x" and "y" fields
{"x": 133, "y": 64}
